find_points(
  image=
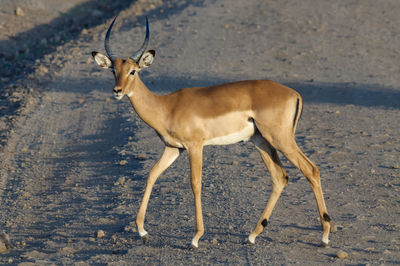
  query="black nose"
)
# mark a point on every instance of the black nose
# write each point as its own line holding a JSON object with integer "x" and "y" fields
{"x": 117, "y": 90}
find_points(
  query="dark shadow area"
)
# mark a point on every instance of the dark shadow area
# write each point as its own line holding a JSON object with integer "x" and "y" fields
{"x": 349, "y": 93}
{"x": 60, "y": 30}
{"x": 45, "y": 38}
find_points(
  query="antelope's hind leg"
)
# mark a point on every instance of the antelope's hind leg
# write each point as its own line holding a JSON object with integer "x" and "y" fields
{"x": 169, "y": 156}
{"x": 279, "y": 181}
{"x": 310, "y": 170}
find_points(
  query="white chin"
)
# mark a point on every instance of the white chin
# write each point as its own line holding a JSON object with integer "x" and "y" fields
{"x": 119, "y": 96}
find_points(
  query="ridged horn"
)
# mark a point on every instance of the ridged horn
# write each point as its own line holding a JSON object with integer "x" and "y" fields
{"x": 107, "y": 41}
{"x": 136, "y": 56}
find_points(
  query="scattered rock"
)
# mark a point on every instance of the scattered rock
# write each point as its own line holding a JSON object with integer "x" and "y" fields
{"x": 120, "y": 181}
{"x": 141, "y": 157}
{"x": 235, "y": 163}
{"x": 342, "y": 255}
{"x": 42, "y": 70}
{"x": 3, "y": 248}
{"x": 214, "y": 241}
{"x": 5, "y": 239}
{"x": 123, "y": 162}
{"x": 19, "y": 12}
{"x": 100, "y": 234}
{"x": 130, "y": 228}
{"x": 67, "y": 250}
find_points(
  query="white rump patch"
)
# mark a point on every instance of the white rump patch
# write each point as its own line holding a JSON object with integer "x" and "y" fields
{"x": 243, "y": 135}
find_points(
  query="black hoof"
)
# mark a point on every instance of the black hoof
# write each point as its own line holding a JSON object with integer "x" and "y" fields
{"x": 323, "y": 245}
{"x": 192, "y": 247}
{"x": 145, "y": 238}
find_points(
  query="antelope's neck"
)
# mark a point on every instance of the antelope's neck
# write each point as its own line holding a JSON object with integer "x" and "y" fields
{"x": 147, "y": 105}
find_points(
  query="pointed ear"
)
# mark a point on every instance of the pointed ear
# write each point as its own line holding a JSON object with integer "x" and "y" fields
{"x": 146, "y": 59}
{"x": 102, "y": 60}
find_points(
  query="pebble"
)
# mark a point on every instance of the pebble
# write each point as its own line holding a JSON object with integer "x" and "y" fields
{"x": 342, "y": 255}
{"x": 19, "y": 12}
{"x": 123, "y": 162}
{"x": 235, "y": 163}
{"x": 100, "y": 234}
{"x": 42, "y": 70}
{"x": 141, "y": 157}
{"x": 120, "y": 181}
{"x": 214, "y": 241}
{"x": 3, "y": 248}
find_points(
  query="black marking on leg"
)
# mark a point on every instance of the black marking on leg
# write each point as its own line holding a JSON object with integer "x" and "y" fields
{"x": 287, "y": 179}
{"x": 264, "y": 223}
{"x": 326, "y": 217}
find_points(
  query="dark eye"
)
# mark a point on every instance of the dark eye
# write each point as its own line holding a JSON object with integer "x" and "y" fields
{"x": 133, "y": 72}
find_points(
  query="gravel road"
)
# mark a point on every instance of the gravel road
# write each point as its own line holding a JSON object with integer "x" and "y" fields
{"x": 73, "y": 160}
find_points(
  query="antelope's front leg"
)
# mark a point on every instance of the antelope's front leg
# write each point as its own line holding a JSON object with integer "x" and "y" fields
{"x": 196, "y": 161}
{"x": 169, "y": 156}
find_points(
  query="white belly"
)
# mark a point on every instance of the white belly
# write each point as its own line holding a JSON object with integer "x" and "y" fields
{"x": 241, "y": 135}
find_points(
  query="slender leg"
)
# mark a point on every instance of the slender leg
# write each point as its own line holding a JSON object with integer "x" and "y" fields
{"x": 196, "y": 161}
{"x": 310, "y": 170}
{"x": 169, "y": 156}
{"x": 279, "y": 181}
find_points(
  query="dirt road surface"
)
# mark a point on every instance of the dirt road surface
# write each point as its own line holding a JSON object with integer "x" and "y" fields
{"x": 73, "y": 160}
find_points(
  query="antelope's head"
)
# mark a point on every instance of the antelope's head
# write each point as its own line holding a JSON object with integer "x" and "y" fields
{"x": 125, "y": 70}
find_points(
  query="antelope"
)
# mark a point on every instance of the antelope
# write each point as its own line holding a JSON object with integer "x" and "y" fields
{"x": 262, "y": 111}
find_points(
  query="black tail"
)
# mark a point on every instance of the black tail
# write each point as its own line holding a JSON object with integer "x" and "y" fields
{"x": 298, "y": 113}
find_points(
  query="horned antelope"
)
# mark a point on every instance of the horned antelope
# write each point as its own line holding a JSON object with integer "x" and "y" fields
{"x": 262, "y": 111}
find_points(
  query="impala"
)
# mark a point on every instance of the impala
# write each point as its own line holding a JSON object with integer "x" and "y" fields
{"x": 262, "y": 111}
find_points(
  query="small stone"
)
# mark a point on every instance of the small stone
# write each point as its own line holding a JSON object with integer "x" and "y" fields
{"x": 19, "y": 12}
{"x": 92, "y": 239}
{"x": 141, "y": 157}
{"x": 80, "y": 101}
{"x": 373, "y": 171}
{"x": 214, "y": 241}
{"x": 43, "y": 70}
{"x": 342, "y": 255}
{"x": 100, "y": 234}
{"x": 235, "y": 163}
{"x": 84, "y": 32}
{"x": 120, "y": 181}
{"x": 123, "y": 162}
{"x": 3, "y": 248}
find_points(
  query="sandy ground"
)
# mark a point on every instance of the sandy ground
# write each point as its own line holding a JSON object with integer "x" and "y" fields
{"x": 74, "y": 161}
